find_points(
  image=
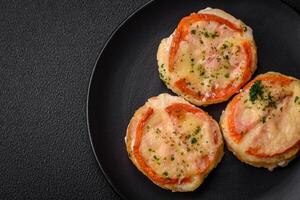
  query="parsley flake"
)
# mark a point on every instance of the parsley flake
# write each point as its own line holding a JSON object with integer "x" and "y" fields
{"x": 193, "y": 140}
{"x": 256, "y": 91}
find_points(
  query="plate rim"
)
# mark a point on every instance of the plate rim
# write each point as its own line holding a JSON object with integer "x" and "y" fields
{"x": 92, "y": 76}
{"x": 112, "y": 34}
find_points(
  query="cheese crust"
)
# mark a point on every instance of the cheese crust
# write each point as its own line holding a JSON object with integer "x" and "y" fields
{"x": 208, "y": 58}
{"x": 173, "y": 143}
{"x": 261, "y": 125}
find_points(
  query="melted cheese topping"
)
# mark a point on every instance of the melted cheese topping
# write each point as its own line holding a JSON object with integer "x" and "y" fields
{"x": 210, "y": 57}
{"x": 270, "y": 124}
{"x": 174, "y": 146}
{"x": 173, "y": 149}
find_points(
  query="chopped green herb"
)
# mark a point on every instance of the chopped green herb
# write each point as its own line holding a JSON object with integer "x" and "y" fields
{"x": 210, "y": 35}
{"x": 226, "y": 75}
{"x": 226, "y": 45}
{"x": 296, "y": 99}
{"x": 205, "y": 34}
{"x": 245, "y": 28}
{"x": 193, "y": 140}
{"x": 193, "y": 31}
{"x": 256, "y": 91}
{"x": 165, "y": 173}
{"x": 155, "y": 157}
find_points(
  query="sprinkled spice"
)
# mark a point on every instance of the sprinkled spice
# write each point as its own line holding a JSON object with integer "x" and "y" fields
{"x": 271, "y": 103}
{"x": 197, "y": 130}
{"x": 172, "y": 158}
{"x": 263, "y": 119}
{"x": 151, "y": 150}
{"x": 187, "y": 136}
{"x": 226, "y": 57}
{"x": 157, "y": 130}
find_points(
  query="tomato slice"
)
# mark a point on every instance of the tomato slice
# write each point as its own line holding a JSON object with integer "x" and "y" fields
{"x": 182, "y": 31}
{"x": 255, "y": 151}
{"x": 179, "y": 107}
{"x": 142, "y": 163}
{"x": 203, "y": 164}
{"x": 219, "y": 94}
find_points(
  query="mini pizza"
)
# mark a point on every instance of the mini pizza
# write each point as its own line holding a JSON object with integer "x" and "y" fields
{"x": 174, "y": 143}
{"x": 208, "y": 58}
{"x": 261, "y": 125}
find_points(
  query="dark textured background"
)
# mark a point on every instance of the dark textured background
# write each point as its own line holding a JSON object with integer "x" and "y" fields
{"x": 47, "y": 53}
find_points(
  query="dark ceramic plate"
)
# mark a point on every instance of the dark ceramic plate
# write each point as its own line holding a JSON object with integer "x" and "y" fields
{"x": 126, "y": 75}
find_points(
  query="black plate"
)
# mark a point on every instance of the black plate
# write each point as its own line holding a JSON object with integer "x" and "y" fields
{"x": 126, "y": 76}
